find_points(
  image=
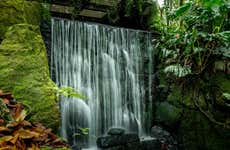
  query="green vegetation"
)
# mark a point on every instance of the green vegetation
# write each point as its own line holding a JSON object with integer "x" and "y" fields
{"x": 193, "y": 50}
{"x": 194, "y": 57}
{"x": 190, "y": 48}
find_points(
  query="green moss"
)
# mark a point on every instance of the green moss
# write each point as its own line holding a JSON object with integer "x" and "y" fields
{"x": 24, "y": 71}
{"x": 18, "y": 11}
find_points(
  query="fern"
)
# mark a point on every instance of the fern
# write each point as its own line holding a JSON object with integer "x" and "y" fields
{"x": 178, "y": 70}
{"x": 226, "y": 96}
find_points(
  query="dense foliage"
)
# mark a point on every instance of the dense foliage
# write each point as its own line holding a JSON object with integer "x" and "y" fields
{"x": 194, "y": 47}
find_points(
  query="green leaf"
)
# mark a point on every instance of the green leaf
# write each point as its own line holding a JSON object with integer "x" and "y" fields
{"x": 182, "y": 10}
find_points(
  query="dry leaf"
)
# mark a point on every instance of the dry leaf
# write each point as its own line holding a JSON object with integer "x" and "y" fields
{"x": 4, "y": 129}
{"x": 27, "y": 134}
{"x": 6, "y": 138}
{"x": 14, "y": 139}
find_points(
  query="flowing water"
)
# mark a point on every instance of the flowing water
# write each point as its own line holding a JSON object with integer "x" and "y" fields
{"x": 112, "y": 67}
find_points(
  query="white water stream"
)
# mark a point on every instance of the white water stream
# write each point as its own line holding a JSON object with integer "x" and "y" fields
{"x": 112, "y": 68}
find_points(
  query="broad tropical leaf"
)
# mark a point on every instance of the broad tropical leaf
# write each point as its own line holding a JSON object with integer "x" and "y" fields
{"x": 182, "y": 10}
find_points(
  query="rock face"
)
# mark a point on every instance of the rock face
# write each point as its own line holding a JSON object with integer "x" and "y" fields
{"x": 24, "y": 71}
{"x": 18, "y": 11}
{"x": 199, "y": 133}
{"x": 193, "y": 129}
{"x": 117, "y": 139}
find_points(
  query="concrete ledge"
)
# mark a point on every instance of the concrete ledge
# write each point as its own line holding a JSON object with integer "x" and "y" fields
{"x": 61, "y": 9}
{"x": 92, "y": 13}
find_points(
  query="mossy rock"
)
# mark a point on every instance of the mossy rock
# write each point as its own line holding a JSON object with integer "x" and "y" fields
{"x": 199, "y": 133}
{"x": 18, "y": 11}
{"x": 167, "y": 113}
{"x": 184, "y": 99}
{"x": 24, "y": 71}
{"x": 177, "y": 98}
{"x": 222, "y": 81}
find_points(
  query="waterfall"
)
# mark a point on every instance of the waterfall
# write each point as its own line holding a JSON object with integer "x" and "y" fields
{"x": 112, "y": 67}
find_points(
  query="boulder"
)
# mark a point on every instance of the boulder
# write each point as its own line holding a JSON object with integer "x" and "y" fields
{"x": 18, "y": 11}
{"x": 118, "y": 140}
{"x": 116, "y": 131}
{"x": 24, "y": 71}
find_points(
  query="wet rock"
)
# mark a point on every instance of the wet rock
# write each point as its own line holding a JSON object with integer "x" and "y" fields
{"x": 118, "y": 140}
{"x": 167, "y": 142}
{"x": 150, "y": 143}
{"x": 116, "y": 131}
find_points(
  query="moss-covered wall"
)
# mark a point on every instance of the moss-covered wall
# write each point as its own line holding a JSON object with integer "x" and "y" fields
{"x": 193, "y": 128}
{"x": 18, "y": 11}
{"x": 24, "y": 67}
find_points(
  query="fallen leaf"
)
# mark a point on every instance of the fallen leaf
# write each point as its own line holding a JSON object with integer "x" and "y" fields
{"x": 12, "y": 125}
{"x": 27, "y": 134}
{"x": 6, "y": 101}
{"x": 14, "y": 139}
{"x": 4, "y": 129}
{"x": 21, "y": 116}
{"x": 25, "y": 124}
{"x": 20, "y": 134}
{"x": 8, "y": 148}
{"x": 20, "y": 144}
{"x": 6, "y": 138}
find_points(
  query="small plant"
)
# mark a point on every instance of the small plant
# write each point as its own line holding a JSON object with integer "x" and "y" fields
{"x": 82, "y": 132}
{"x": 68, "y": 92}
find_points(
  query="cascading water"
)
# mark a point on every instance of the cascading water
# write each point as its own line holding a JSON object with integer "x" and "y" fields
{"x": 112, "y": 67}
